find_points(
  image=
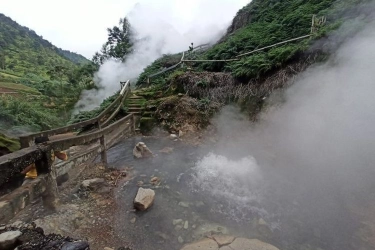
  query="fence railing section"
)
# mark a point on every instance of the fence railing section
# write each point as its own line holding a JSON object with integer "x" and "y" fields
{"x": 11, "y": 165}
{"x": 28, "y": 140}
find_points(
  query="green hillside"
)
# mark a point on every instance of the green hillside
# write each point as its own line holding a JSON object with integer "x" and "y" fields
{"x": 39, "y": 83}
{"x": 22, "y": 51}
{"x": 265, "y": 22}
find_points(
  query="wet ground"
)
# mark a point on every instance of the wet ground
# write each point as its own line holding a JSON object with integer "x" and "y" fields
{"x": 202, "y": 191}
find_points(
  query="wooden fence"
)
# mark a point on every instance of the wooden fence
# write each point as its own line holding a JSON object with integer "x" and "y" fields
{"x": 11, "y": 165}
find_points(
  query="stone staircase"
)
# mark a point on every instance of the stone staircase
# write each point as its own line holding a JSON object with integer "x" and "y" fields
{"x": 144, "y": 117}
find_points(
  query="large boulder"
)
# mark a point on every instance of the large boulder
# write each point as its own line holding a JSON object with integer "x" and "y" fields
{"x": 144, "y": 199}
{"x": 142, "y": 151}
{"x": 8, "y": 239}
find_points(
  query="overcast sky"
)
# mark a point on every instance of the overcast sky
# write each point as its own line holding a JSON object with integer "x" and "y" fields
{"x": 80, "y": 25}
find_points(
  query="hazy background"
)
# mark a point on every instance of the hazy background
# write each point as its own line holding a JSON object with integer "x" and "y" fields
{"x": 81, "y": 26}
{"x": 170, "y": 27}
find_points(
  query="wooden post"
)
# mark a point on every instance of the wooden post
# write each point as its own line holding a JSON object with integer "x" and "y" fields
{"x": 46, "y": 166}
{"x": 24, "y": 142}
{"x": 132, "y": 125}
{"x": 103, "y": 145}
{"x": 103, "y": 150}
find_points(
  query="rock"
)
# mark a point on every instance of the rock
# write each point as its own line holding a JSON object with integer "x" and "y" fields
{"x": 263, "y": 228}
{"x": 186, "y": 225}
{"x": 177, "y": 221}
{"x": 180, "y": 239}
{"x": 93, "y": 184}
{"x": 78, "y": 245}
{"x": 178, "y": 227}
{"x": 142, "y": 151}
{"x": 183, "y": 204}
{"x": 253, "y": 244}
{"x": 144, "y": 199}
{"x": 108, "y": 248}
{"x": 180, "y": 134}
{"x": 140, "y": 183}
{"x": 166, "y": 150}
{"x": 155, "y": 181}
{"x": 173, "y": 136}
{"x": 262, "y": 222}
{"x": 8, "y": 239}
{"x": 162, "y": 235}
{"x": 205, "y": 244}
{"x": 223, "y": 240}
{"x": 18, "y": 224}
{"x": 132, "y": 221}
{"x": 209, "y": 229}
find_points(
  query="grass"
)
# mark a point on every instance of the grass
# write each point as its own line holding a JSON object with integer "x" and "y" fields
{"x": 19, "y": 88}
{"x": 9, "y": 75}
{"x": 10, "y": 143}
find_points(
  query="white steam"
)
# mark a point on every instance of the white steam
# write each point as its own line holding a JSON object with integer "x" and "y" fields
{"x": 169, "y": 27}
{"x": 317, "y": 147}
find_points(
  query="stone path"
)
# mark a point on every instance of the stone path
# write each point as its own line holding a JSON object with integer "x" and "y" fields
{"x": 227, "y": 242}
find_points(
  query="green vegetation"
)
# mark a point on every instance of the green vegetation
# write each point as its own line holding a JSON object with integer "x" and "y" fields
{"x": 118, "y": 45}
{"x": 22, "y": 51}
{"x": 9, "y": 143}
{"x": 39, "y": 83}
{"x": 20, "y": 111}
{"x": 18, "y": 88}
{"x": 265, "y": 22}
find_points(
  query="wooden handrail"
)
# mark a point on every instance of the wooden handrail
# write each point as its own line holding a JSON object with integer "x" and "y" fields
{"x": 12, "y": 164}
{"x": 26, "y": 139}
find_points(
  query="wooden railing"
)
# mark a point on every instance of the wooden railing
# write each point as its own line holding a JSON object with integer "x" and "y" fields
{"x": 28, "y": 140}
{"x": 11, "y": 165}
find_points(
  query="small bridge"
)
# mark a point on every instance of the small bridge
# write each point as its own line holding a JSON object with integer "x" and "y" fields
{"x": 104, "y": 135}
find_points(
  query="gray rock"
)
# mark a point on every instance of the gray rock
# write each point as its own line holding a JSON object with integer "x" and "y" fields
{"x": 183, "y": 204}
{"x": 93, "y": 184}
{"x": 206, "y": 244}
{"x": 223, "y": 240}
{"x": 180, "y": 239}
{"x": 186, "y": 225}
{"x": 18, "y": 224}
{"x": 8, "y": 239}
{"x": 144, "y": 199}
{"x": 173, "y": 136}
{"x": 253, "y": 244}
{"x": 177, "y": 221}
{"x": 142, "y": 151}
{"x": 78, "y": 245}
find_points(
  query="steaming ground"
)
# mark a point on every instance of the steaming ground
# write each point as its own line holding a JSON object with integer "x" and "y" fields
{"x": 312, "y": 155}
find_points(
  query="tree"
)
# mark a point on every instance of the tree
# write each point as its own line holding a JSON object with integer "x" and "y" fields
{"x": 118, "y": 45}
